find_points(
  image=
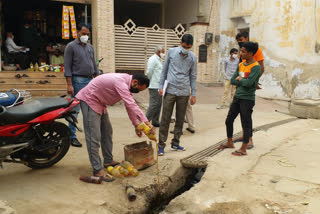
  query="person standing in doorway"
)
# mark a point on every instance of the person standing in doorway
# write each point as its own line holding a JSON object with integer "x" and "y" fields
{"x": 230, "y": 66}
{"x": 180, "y": 71}
{"x": 244, "y": 37}
{"x": 79, "y": 69}
{"x": 153, "y": 73}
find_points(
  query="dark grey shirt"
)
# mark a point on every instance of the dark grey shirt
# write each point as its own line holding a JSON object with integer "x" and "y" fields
{"x": 79, "y": 60}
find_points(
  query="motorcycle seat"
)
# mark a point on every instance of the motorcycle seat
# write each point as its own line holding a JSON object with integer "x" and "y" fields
{"x": 31, "y": 110}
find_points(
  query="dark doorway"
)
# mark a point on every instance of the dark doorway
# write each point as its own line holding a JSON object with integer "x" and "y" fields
{"x": 142, "y": 14}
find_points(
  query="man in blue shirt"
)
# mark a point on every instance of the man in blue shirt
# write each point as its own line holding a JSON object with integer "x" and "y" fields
{"x": 180, "y": 72}
{"x": 154, "y": 73}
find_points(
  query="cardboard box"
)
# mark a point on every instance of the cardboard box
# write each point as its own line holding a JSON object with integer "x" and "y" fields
{"x": 140, "y": 155}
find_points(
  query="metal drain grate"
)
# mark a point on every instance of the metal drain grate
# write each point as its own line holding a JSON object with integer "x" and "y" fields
{"x": 199, "y": 159}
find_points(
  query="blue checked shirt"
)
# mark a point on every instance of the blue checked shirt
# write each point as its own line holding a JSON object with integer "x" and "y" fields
{"x": 181, "y": 73}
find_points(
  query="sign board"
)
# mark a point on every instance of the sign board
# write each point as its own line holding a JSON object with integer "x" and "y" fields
{"x": 203, "y": 53}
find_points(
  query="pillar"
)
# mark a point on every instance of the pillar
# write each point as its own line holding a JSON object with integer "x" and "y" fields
{"x": 103, "y": 33}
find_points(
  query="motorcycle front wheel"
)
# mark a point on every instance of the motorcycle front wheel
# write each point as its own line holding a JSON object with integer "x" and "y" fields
{"x": 54, "y": 139}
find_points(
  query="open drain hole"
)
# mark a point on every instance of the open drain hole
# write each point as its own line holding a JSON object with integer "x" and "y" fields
{"x": 160, "y": 202}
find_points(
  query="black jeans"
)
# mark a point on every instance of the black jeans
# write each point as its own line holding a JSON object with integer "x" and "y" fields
{"x": 169, "y": 101}
{"x": 244, "y": 107}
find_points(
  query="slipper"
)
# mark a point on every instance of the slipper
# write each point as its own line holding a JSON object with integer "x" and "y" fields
{"x": 239, "y": 139}
{"x": 113, "y": 164}
{"x": 223, "y": 146}
{"x": 250, "y": 146}
{"x": 25, "y": 75}
{"x": 238, "y": 153}
{"x": 107, "y": 178}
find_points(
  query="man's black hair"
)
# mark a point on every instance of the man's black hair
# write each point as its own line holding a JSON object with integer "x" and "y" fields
{"x": 243, "y": 34}
{"x": 81, "y": 25}
{"x": 142, "y": 79}
{"x": 233, "y": 50}
{"x": 188, "y": 39}
{"x": 251, "y": 47}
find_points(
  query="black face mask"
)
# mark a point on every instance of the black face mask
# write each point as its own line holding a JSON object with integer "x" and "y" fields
{"x": 134, "y": 90}
{"x": 240, "y": 44}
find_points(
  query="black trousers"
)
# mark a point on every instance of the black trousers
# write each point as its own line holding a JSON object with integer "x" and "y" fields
{"x": 245, "y": 108}
{"x": 21, "y": 59}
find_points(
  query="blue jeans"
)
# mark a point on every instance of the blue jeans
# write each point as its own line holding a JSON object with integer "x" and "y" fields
{"x": 78, "y": 83}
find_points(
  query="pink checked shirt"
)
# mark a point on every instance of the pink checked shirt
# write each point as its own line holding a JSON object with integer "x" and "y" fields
{"x": 108, "y": 89}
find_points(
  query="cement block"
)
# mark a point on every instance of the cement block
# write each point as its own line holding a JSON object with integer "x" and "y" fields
{"x": 305, "y": 108}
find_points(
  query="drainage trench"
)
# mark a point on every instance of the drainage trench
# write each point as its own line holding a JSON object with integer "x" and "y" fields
{"x": 160, "y": 201}
{"x": 194, "y": 167}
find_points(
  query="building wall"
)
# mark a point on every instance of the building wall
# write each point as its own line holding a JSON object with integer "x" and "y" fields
{"x": 180, "y": 11}
{"x": 103, "y": 33}
{"x": 288, "y": 33}
{"x": 207, "y": 72}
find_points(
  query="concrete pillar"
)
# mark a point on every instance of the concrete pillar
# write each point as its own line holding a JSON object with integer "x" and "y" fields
{"x": 207, "y": 72}
{"x": 103, "y": 33}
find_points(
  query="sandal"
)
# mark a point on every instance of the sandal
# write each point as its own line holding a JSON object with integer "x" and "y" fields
{"x": 238, "y": 153}
{"x": 224, "y": 146}
{"x": 250, "y": 146}
{"x": 113, "y": 164}
{"x": 107, "y": 178}
{"x": 239, "y": 139}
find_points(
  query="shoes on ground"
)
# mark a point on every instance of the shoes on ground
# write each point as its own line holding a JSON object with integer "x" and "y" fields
{"x": 75, "y": 143}
{"x": 190, "y": 130}
{"x": 177, "y": 148}
{"x": 160, "y": 151}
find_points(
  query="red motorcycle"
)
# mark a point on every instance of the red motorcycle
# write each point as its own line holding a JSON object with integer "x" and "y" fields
{"x": 30, "y": 134}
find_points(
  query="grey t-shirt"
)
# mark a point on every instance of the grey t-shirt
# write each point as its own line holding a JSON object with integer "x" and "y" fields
{"x": 230, "y": 67}
{"x": 79, "y": 60}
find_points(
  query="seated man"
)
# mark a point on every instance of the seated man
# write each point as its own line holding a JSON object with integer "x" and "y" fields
{"x": 16, "y": 52}
{"x": 57, "y": 58}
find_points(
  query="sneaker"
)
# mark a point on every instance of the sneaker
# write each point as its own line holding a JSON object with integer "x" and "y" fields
{"x": 75, "y": 142}
{"x": 177, "y": 148}
{"x": 160, "y": 151}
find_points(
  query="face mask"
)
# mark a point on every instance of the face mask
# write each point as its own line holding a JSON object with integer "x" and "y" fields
{"x": 162, "y": 55}
{"x": 84, "y": 39}
{"x": 235, "y": 56}
{"x": 134, "y": 90}
{"x": 185, "y": 51}
{"x": 240, "y": 44}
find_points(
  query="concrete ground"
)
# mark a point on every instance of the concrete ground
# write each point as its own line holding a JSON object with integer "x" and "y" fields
{"x": 281, "y": 171}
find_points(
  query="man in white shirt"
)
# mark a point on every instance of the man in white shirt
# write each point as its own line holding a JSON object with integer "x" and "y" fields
{"x": 153, "y": 72}
{"x": 18, "y": 53}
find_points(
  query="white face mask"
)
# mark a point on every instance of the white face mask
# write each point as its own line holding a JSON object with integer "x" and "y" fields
{"x": 84, "y": 39}
{"x": 235, "y": 56}
{"x": 185, "y": 51}
{"x": 162, "y": 55}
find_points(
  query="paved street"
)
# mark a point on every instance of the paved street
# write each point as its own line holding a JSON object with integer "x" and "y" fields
{"x": 238, "y": 180}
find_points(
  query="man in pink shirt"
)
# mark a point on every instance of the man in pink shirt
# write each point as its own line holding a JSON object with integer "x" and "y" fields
{"x": 104, "y": 90}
